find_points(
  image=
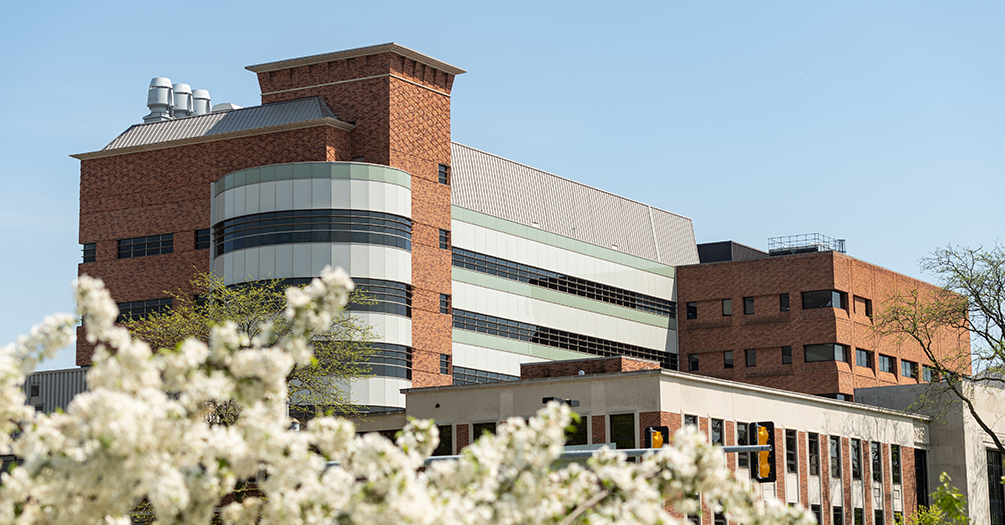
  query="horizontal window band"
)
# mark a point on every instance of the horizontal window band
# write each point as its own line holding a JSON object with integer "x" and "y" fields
{"x": 392, "y": 297}
{"x": 312, "y": 226}
{"x": 144, "y": 246}
{"x": 563, "y": 283}
{"x": 497, "y": 326}
{"x": 470, "y": 376}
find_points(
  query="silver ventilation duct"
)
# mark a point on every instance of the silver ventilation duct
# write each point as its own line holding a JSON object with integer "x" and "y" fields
{"x": 182, "y": 101}
{"x": 202, "y": 103}
{"x": 160, "y": 100}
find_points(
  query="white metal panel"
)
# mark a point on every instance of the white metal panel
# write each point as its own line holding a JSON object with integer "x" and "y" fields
{"x": 340, "y": 197}
{"x": 791, "y": 487}
{"x": 302, "y": 194}
{"x": 814, "y": 490}
{"x": 321, "y": 193}
{"x": 253, "y": 199}
{"x": 359, "y": 194}
{"x": 240, "y": 201}
{"x": 267, "y": 201}
{"x": 267, "y": 262}
{"x": 302, "y": 256}
{"x": 284, "y": 195}
{"x": 321, "y": 256}
{"x": 284, "y": 261}
{"x": 837, "y": 493}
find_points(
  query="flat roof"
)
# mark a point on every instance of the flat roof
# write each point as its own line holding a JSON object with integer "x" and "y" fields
{"x": 389, "y": 47}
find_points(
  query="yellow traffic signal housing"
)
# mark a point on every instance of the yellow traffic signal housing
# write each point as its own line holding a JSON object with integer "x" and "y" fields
{"x": 764, "y": 468}
{"x": 657, "y": 436}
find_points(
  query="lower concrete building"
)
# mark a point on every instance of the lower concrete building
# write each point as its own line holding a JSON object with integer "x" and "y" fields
{"x": 848, "y": 463}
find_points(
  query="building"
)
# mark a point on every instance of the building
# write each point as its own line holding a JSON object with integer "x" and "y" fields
{"x": 800, "y": 319}
{"x": 478, "y": 263}
{"x": 848, "y": 463}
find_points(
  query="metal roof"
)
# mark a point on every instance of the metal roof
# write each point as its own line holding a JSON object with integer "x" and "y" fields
{"x": 503, "y": 188}
{"x": 389, "y": 47}
{"x": 224, "y": 124}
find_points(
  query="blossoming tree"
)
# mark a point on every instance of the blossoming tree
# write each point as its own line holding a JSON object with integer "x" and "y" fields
{"x": 141, "y": 434}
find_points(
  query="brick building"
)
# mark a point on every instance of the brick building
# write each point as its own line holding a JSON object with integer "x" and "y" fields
{"x": 800, "y": 320}
{"x": 478, "y": 263}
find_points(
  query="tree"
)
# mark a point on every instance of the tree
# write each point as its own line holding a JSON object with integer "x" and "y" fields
{"x": 340, "y": 352}
{"x": 971, "y": 302}
{"x": 948, "y": 507}
{"x": 140, "y": 434}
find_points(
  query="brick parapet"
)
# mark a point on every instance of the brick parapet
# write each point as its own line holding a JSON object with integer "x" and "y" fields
{"x": 603, "y": 365}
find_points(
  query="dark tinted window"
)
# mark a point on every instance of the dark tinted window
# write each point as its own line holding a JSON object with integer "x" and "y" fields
{"x": 783, "y": 302}
{"x": 143, "y": 246}
{"x": 814, "y": 453}
{"x": 727, "y": 307}
{"x": 715, "y": 430}
{"x": 909, "y": 369}
{"x": 691, "y": 420}
{"x": 887, "y": 364}
{"x": 863, "y": 358}
{"x": 470, "y": 376}
{"x": 826, "y": 352}
{"x": 445, "y": 364}
{"x": 140, "y": 309}
{"x": 895, "y": 463}
{"x": 692, "y": 310}
{"x": 877, "y": 461}
{"x": 444, "y": 174}
{"x": 786, "y": 355}
{"x": 835, "y": 456}
{"x": 838, "y": 516}
{"x": 856, "y": 459}
{"x": 90, "y": 252}
{"x": 748, "y": 305}
{"x": 727, "y": 359}
{"x": 623, "y": 430}
{"x": 791, "y": 452}
{"x": 824, "y": 299}
{"x": 751, "y": 355}
{"x": 741, "y": 439}
{"x": 446, "y": 446}
{"x": 444, "y": 239}
{"x": 390, "y": 360}
{"x": 576, "y": 434}
{"x": 692, "y": 362}
{"x": 481, "y": 429}
{"x": 444, "y": 303}
{"x": 202, "y": 239}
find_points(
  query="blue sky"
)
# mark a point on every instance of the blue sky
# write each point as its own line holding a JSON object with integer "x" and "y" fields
{"x": 878, "y": 122}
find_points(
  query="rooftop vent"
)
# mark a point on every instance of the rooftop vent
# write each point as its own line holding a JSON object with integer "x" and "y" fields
{"x": 160, "y": 100}
{"x": 167, "y": 101}
{"x": 182, "y": 101}
{"x": 804, "y": 243}
{"x": 202, "y": 104}
{"x": 225, "y": 106}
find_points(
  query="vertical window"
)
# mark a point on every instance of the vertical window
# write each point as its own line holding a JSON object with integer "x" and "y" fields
{"x": 751, "y": 355}
{"x": 748, "y": 305}
{"x": 863, "y": 358}
{"x": 741, "y": 439}
{"x": 445, "y": 364}
{"x": 692, "y": 362}
{"x": 909, "y": 369}
{"x": 838, "y": 517}
{"x": 90, "y": 252}
{"x": 715, "y": 430}
{"x": 576, "y": 434}
{"x": 835, "y": 449}
{"x": 444, "y": 303}
{"x": 879, "y": 520}
{"x": 481, "y": 429}
{"x": 895, "y": 463}
{"x": 719, "y": 519}
{"x": 444, "y": 240}
{"x": 856, "y": 459}
{"x": 143, "y": 246}
{"x": 691, "y": 420}
{"x": 791, "y": 452}
{"x": 623, "y": 430}
{"x": 786, "y": 355}
{"x": 868, "y": 307}
{"x": 825, "y": 352}
{"x": 825, "y": 299}
{"x": 692, "y": 310}
{"x": 814, "y": 453}
{"x": 202, "y": 239}
{"x": 446, "y": 446}
{"x": 857, "y": 516}
{"x": 887, "y": 364}
{"x": 815, "y": 509}
{"x": 877, "y": 461}
{"x": 783, "y": 302}
{"x": 727, "y": 307}
{"x": 444, "y": 174}
{"x": 927, "y": 373}
{"x": 727, "y": 359}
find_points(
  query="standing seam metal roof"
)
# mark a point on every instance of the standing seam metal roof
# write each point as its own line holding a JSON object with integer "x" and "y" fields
{"x": 503, "y": 188}
{"x": 274, "y": 114}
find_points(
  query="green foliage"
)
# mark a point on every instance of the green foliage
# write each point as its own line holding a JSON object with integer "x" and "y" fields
{"x": 340, "y": 353}
{"x": 948, "y": 507}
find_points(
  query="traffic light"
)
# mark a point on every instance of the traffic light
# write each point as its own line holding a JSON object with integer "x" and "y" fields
{"x": 657, "y": 436}
{"x": 763, "y": 468}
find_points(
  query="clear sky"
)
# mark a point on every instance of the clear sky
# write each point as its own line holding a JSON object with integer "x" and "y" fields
{"x": 878, "y": 122}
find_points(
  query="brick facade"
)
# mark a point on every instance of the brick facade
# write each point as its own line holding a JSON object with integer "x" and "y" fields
{"x": 606, "y": 365}
{"x": 769, "y": 329}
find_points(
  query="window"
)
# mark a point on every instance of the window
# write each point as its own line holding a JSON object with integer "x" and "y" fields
{"x": 576, "y": 433}
{"x": 857, "y": 516}
{"x": 445, "y": 364}
{"x": 692, "y": 362}
{"x": 783, "y": 302}
{"x": 35, "y": 390}
{"x": 727, "y": 359}
{"x": 727, "y": 307}
{"x": 444, "y": 304}
{"x": 719, "y": 519}
{"x": 791, "y": 452}
{"x": 863, "y": 358}
{"x": 446, "y": 446}
{"x": 139, "y": 309}
{"x": 815, "y": 509}
{"x": 748, "y": 305}
{"x": 741, "y": 439}
{"x": 879, "y": 520}
{"x": 751, "y": 355}
{"x": 481, "y": 429}
{"x": 838, "y": 516}
{"x": 825, "y": 299}
{"x": 465, "y": 320}
{"x": 895, "y": 463}
{"x": 856, "y": 459}
{"x": 877, "y": 461}
{"x": 303, "y": 226}
{"x": 142, "y": 246}
{"x": 887, "y": 364}
{"x": 909, "y": 369}
{"x": 390, "y": 360}
{"x": 826, "y": 352}
{"x": 786, "y": 355}
{"x": 202, "y": 239}
{"x": 715, "y": 430}
{"x": 835, "y": 460}
{"x": 90, "y": 252}
{"x": 692, "y": 310}
{"x": 814, "y": 453}
{"x": 563, "y": 283}
{"x": 444, "y": 174}
{"x": 927, "y": 373}
{"x": 839, "y": 397}
{"x": 391, "y": 297}
{"x": 623, "y": 430}
{"x": 863, "y": 306}
{"x": 470, "y": 376}
{"x": 691, "y": 420}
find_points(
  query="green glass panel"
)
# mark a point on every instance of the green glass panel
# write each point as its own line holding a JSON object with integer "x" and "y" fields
{"x": 359, "y": 171}
{"x": 254, "y": 175}
{"x": 301, "y": 171}
{"x": 340, "y": 171}
{"x": 267, "y": 173}
{"x": 284, "y": 172}
{"x": 240, "y": 178}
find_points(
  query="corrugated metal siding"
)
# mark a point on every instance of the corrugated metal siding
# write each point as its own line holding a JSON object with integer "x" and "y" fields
{"x": 509, "y": 190}
{"x": 286, "y": 112}
{"x": 56, "y": 387}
